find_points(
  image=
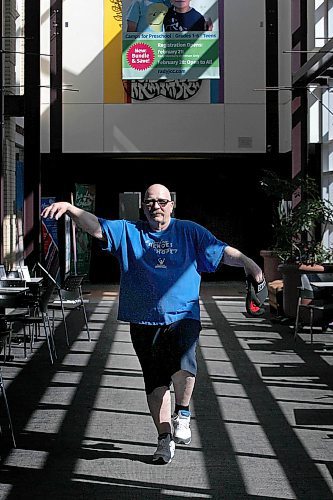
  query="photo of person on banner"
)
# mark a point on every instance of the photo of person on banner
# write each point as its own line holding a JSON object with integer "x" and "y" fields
{"x": 164, "y": 15}
{"x": 147, "y": 16}
{"x": 171, "y": 39}
{"x": 182, "y": 17}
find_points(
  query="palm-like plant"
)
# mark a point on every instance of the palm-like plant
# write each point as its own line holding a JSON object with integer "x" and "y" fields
{"x": 300, "y": 218}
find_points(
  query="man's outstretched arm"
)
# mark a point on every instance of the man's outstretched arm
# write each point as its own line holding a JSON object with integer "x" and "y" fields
{"x": 233, "y": 257}
{"x": 86, "y": 221}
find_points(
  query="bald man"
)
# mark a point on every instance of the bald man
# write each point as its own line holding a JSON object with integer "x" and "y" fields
{"x": 161, "y": 261}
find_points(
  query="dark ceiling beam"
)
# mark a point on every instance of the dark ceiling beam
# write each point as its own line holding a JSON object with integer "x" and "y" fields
{"x": 315, "y": 66}
{"x": 272, "y": 76}
{"x": 56, "y": 77}
{"x": 32, "y": 157}
{"x": 2, "y": 189}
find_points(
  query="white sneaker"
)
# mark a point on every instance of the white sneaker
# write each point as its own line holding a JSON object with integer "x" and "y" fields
{"x": 181, "y": 427}
{"x": 165, "y": 450}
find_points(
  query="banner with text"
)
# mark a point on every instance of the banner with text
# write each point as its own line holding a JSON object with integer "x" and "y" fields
{"x": 50, "y": 244}
{"x": 84, "y": 198}
{"x": 176, "y": 40}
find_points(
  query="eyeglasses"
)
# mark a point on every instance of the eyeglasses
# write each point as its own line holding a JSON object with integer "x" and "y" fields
{"x": 162, "y": 203}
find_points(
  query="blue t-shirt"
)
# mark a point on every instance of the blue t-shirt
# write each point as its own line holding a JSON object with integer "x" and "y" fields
{"x": 160, "y": 270}
{"x": 187, "y": 21}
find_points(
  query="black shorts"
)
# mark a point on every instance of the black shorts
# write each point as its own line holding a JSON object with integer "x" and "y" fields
{"x": 165, "y": 349}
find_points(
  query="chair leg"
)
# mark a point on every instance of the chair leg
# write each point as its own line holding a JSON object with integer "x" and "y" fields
{"x": 297, "y": 319}
{"x": 86, "y": 321}
{"x": 9, "y": 350}
{"x": 47, "y": 319}
{"x": 32, "y": 337}
{"x": 5, "y": 345}
{"x": 53, "y": 321}
{"x": 84, "y": 313}
{"x": 47, "y": 334}
{"x": 2, "y": 387}
{"x": 5, "y": 340}
{"x": 311, "y": 325}
{"x": 25, "y": 340}
{"x": 65, "y": 323}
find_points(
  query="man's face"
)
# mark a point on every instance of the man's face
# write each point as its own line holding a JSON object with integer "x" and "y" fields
{"x": 181, "y": 5}
{"x": 158, "y": 205}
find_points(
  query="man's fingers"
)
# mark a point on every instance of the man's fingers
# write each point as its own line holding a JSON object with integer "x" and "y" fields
{"x": 59, "y": 213}
{"x": 46, "y": 211}
{"x": 255, "y": 296}
{"x": 53, "y": 211}
{"x": 257, "y": 290}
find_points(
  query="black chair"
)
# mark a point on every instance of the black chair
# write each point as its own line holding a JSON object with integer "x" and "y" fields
{"x": 5, "y": 337}
{"x": 315, "y": 302}
{"x": 2, "y": 271}
{"x": 35, "y": 315}
{"x": 70, "y": 298}
{"x": 15, "y": 303}
{"x": 3, "y": 393}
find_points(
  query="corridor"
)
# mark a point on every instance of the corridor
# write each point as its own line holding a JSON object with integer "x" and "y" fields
{"x": 262, "y": 412}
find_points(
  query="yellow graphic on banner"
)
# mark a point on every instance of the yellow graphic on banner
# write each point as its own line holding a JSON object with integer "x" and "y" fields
{"x": 114, "y": 92}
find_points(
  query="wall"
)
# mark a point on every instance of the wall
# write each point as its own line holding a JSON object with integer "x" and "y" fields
{"x": 195, "y": 125}
{"x": 9, "y": 230}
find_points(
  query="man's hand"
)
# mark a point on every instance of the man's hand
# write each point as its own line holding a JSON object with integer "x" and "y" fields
{"x": 259, "y": 291}
{"x": 255, "y": 281}
{"x": 233, "y": 257}
{"x": 256, "y": 295}
{"x": 85, "y": 220}
{"x": 252, "y": 269}
{"x": 56, "y": 210}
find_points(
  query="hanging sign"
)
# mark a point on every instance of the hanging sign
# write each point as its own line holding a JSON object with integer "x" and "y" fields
{"x": 177, "y": 40}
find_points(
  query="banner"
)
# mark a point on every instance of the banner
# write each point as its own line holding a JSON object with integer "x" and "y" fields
{"x": 120, "y": 91}
{"x": 84, "y": 198}
{"x": 50, "y": 245}
{"x": 168, "y": 41}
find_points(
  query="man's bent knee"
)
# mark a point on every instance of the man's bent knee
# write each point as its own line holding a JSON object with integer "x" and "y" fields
{"x": 155, "y": 391}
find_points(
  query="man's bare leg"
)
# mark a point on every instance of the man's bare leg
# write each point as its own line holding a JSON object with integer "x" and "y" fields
{"x": 159, "y": 402}
{"x": 183, "y": 383}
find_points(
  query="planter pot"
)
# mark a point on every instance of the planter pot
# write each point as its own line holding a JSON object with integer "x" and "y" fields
{"x": 291, "y": 275}
{"x": 271, "y": 263}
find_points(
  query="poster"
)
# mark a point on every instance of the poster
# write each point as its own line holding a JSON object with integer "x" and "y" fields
{"x": 170, "y": 91}
{"x": 50, "y": 245}
{"x": 177, "y": 40}
{"x": 85, "y": 199}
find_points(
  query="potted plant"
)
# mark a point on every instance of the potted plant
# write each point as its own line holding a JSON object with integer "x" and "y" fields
{"x": 279, "y": 193}
{"x": 300, "y": 218}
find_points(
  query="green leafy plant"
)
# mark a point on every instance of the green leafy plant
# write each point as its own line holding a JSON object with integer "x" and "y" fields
{"x": 300, "y": 218}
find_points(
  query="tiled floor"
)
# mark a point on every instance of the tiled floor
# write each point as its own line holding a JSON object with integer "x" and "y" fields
{"x": 262, "y": 410}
